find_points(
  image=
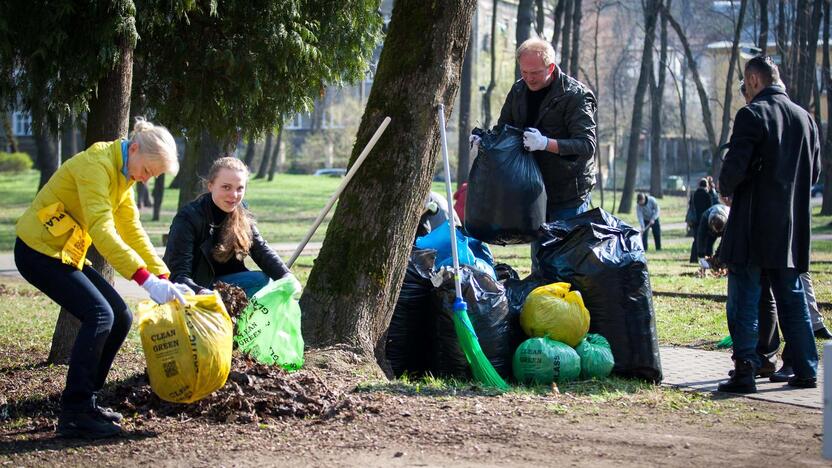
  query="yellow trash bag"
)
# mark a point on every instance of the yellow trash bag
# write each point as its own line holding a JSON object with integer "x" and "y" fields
{"x": 187, "y": 347}
{"x": 555, "y": 311}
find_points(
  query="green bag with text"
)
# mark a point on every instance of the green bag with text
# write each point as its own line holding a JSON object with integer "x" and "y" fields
{"x": 596, "y": 356}
{"x": 269, "y": 328}
{"x": 542, "y": 361}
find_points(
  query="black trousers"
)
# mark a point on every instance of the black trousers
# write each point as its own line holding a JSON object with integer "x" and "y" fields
{"x": 105, "y": 319}
{"x": 657, "y": 235}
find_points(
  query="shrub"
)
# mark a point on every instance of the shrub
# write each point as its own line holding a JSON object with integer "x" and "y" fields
{"x": 15, "y": 162}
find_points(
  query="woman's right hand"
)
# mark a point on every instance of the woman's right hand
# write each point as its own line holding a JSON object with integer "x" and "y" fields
{"x": 162, "y": 291}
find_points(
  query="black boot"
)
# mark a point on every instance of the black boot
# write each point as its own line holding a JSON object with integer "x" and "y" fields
{"x": 86, "y": 423}
{"x": 106, "y": 413}
{"x": 742, "y": 381}
{"x": 765, "y": 371}
{"x": 783, "y": 375}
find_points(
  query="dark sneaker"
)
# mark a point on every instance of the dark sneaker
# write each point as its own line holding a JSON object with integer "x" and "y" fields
{"x": 86, "y": 425}
{"x": 808, "y": 382}
{"x": 763, "y": 372}
{"x": 742, "y": 381}
{"x": 783, "y": 375}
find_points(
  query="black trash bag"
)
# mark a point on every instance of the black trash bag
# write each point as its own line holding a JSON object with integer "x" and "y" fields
{"x": 516, "y": 292}
{"x": 504, "y": 272}
{"x": 603, "y": 258}
{"x": 488, "y": 311}
{"x": 506, "y": 201}
{"x": 408, "y": 337}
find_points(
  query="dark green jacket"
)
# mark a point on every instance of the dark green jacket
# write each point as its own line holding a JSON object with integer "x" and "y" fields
{"x": 567, "y": 114}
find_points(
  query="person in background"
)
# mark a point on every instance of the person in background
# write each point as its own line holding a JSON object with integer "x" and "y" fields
{"x": 712, "y": 191}
{"x": 711, "y": 227}
{"x": 772, "y": 162}
{"x": 459, "y": 201}
{"x": 700, "y": 202}
{"x": 90, "y": 201}
{"x": 647, "y": 211}
{"x": 211, "y": 236}
{"x": 557, "y": 113}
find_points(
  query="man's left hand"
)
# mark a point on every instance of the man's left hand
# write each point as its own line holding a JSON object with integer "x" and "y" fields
{"x": 534, "y": 141}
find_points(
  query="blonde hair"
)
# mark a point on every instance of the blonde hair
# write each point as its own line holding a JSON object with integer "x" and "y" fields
{"x": 156, "y": 143}
{"x": 235, "y": 237}
{"x": 538, "y": 47}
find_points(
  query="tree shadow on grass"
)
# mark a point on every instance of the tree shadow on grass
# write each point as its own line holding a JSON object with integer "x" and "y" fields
{"x": 43, "y": 438}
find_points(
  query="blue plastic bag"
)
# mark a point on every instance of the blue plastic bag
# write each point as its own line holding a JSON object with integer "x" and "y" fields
{"x": 440, "y": 241}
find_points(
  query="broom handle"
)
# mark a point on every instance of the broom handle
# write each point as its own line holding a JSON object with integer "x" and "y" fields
{"x": 340, "y": 189}
{"x": 443, "y": 138}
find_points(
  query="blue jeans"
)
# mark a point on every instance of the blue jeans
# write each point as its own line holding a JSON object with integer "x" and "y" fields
{"x": 250, "y": 281}
{"x": 558, "y": 215}
{"x": 105, "y": 319}
{"x": 742, "y": 310}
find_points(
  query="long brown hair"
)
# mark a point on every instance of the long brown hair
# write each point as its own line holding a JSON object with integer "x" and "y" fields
{"x": 235, "y": 237}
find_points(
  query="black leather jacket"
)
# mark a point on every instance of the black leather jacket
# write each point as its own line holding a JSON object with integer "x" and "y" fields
{"x": 567, "y": 114}
{"x": 190, "y": 244}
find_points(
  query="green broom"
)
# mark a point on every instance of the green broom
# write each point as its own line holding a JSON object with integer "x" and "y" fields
{"x": 480, "y": 365}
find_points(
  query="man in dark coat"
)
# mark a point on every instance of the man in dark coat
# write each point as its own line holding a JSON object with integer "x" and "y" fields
{"x": 700, "y": 202}
{"x": 767, "y": 175}
{"x": 557, "y": 113}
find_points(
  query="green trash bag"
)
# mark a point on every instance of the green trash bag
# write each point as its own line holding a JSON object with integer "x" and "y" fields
{"x": 269, "y": 328}
{"x": 543, "y": 361}
{"x": 596, "y": 356}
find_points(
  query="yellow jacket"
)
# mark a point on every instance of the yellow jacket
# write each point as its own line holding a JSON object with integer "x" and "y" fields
{"x": 95, "y": 193}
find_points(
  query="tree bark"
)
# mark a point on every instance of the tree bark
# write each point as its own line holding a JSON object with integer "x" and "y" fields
{"x": 11, "y": 140}
{"x": 200, "y": 152}
{"x": 558, "y": 21}
{"x": 47, "y": 156}
{"x": 656, "y": 102}
{"x": 716, "y": 157}
{"x": 700, "y": 88}
{"x": 353, "y": 287}
{"x": 523, "y": 30}
{"x": 464, "y": 111}
{"x": 565, "y": 51}
{"x": 486, "y": 97}
{"x": 762, "y": 40}
{"x": 540, "y": 15}
{"x": 275, "y": 154}
{"x": 158, "y": 195}
{"x": 142, "y": 195}
{"x": 249, "y": 157}
{"x": 577, "y": 17}
{"x": 780, "y": 32}
{"x": 267, "y": 152}
{"x": 107, "y": 120}
{"x": 826, "y": 208}
{"x": 651, "y": 9}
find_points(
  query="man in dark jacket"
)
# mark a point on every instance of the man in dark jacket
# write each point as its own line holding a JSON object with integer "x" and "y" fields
{"x": 557, "y": 113}
{"x": 700, "y": 202}
{"x": 767, "y": 175}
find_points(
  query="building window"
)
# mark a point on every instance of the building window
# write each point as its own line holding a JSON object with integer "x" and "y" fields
{"x": 22, "y": 123}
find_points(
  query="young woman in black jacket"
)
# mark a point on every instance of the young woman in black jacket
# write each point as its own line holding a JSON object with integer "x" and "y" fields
{"x": 211, "y": 236}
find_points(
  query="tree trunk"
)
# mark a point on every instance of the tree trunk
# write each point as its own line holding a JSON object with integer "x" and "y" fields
{"x": 577, "y": 16}
{"x": 353, "y": 287}
{"x": 780, "y": 32}
{"x": 267, "y": 152}
{"x": 826, "y": 208}
{"x": 107, "y": 120}
{"x": 142, "y": 195}
{"x": 69, "y": 146}
{"x": 558, "y": 20}
{"x": 565, "y": 51}
{"x": 47, "y": 158}
{"x": 464, "y": 111}
{"x": 656, "y": 102}
{"x": 249, "y": 157}
{"x": 762, "y": 40}
{"x": 11, "y": 140}
{"x": 716, "y": 157}
{"x": 651, "y": 8}
{"x": 598, "y": 8}
{"x": 275, "y": 154}
{"x": 200, "y": 152}
{"x": 158, "y": 196}
{"x": 540, "y": 18}
{"x": 523, "y": 30}
{"x": 486, "y": 97}
{"x": 794, "y": 60}
{"x": 700, "y": 88}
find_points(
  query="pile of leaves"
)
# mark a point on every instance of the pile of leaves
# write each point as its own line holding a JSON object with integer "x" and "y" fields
{"x": 233, "y": 297}
{"x": 253, "y": 392}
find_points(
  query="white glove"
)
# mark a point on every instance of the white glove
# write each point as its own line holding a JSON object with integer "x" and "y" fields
{"x": 432, "y": 207}
{"x": 204, "y": 291}
{"x": 474, "y": 141}
{"x": 534, "y": 141}
{"x": 704, "y": 264}
{"x": 184, "y": 289}
{"x": 162, "y": 291}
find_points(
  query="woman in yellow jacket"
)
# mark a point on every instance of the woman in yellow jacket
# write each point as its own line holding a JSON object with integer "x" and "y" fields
{"x": 89, "y": 201}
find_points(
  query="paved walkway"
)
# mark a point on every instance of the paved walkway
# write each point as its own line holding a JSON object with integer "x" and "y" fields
{"x": 700, "y": 370}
